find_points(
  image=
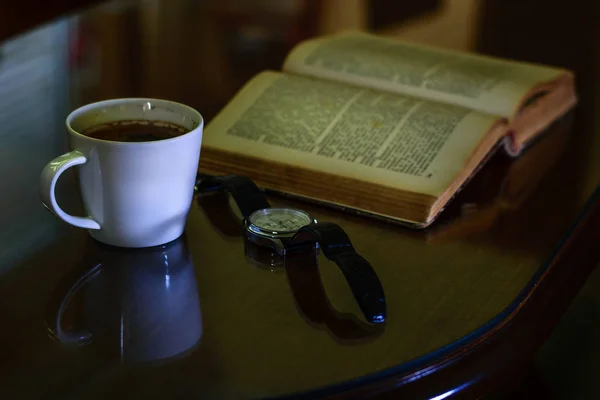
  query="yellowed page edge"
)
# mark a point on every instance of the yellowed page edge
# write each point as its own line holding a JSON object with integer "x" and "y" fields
{"x": 537, "y": 117}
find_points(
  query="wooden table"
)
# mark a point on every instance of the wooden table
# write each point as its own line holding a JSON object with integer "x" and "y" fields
{"x": 469, "y": 300}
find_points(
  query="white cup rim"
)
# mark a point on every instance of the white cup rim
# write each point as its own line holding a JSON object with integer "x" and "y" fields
{"x": 195, "y": 116}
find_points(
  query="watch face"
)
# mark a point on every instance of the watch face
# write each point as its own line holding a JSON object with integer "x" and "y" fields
{"x": 277, "y": 221}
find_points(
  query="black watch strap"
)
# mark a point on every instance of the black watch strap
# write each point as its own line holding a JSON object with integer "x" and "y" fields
{"x": 332, "y": 239}
{"x": 359, "y": 274}
{"x": 247, "y": 195}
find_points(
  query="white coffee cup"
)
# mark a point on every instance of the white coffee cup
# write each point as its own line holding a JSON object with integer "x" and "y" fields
{"x": 136, "y": 194}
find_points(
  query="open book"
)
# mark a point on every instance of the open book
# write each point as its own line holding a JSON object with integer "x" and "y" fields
{"x": 381, "y": 126}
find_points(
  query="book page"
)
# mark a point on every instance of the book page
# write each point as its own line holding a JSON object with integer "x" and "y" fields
{"x": 379, "y": 137}
{"x": 486, "y": 84}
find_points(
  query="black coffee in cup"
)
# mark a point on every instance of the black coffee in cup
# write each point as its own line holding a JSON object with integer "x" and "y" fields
{"x": 135, "y": 131}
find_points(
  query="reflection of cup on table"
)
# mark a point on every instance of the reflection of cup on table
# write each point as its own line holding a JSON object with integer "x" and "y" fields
{"x": 143, "y": 303}
{"x": 137, "y": 161}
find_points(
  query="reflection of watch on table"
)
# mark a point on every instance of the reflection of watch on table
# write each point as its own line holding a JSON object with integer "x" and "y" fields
{"x": 301, "y": 268}
{"x": 286, "y": 229}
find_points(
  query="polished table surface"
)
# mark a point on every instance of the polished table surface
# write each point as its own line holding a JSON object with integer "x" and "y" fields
{"x": 211, "y": 316}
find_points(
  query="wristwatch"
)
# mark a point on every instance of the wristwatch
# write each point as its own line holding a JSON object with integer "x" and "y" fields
{"x": 287, "y": 229}
{"x": 276, "y": 227}
{"x": 264, "y": 225}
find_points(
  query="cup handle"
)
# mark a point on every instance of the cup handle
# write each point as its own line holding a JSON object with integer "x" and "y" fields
{"x": 50, "y": 175}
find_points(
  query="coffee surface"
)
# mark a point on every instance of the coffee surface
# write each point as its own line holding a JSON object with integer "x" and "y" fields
{"x": 135, "y": 131}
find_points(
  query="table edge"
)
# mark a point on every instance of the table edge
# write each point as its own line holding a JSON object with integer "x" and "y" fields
{"x": 463, "y": 367}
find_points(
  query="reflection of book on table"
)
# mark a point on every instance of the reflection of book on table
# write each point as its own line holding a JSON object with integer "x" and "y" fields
{"x": 520, "y": 178}
{"x": 379, "y": 125}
